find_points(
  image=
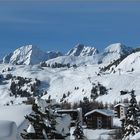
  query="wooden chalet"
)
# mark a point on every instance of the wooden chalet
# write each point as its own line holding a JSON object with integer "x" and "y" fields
{"x": 99, "y": 118}
{"x": 120, "y": 110}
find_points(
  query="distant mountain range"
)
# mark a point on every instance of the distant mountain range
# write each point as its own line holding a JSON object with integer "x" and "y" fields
{"x": 79, "y": 55}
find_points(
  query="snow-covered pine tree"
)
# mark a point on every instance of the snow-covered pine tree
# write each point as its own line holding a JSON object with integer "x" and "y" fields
{"x": 94, "y": 92}
{"x": 85, "y": 105}
{"x": 98, "y": 90}
{"x": 131, "y": 125}
{"x": 37, "y": 126}
{"x": 78, "y": 132}
{"x": 45, "y": 123}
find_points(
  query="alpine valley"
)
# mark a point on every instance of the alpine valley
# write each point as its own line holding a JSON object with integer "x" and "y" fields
{"x": 51, "y": 95}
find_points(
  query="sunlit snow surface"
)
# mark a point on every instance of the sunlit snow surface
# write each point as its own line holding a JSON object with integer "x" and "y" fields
{"x": 63, "y": 80}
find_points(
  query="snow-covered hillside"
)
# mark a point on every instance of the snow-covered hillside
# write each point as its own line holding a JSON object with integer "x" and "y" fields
{"x": 29, "y": 55}
{"x": 130, "y": 63}
{"x": 72, "y": 60}
{"x": 75, "y": 83}
{"x": 82, "y": 50}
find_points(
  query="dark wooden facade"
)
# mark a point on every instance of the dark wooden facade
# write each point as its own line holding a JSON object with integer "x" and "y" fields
{"x": 97, "y": 120}
{"x": 120, "y": 110}
{"x": 117, "y": 111}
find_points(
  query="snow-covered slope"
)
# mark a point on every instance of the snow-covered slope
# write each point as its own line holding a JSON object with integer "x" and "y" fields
{"x": 130, "y": 63}
{"x": 74, "y": 83}
{"x": 114, "y": 52}
{"x": 72, "y": 60}
{"x": 82, "y": 50}
{"x": 29, "y": 55}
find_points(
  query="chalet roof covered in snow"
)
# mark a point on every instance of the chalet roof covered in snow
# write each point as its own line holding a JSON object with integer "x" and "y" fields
{"x": 121, "y": 104}
{"x": 101, "y": 111}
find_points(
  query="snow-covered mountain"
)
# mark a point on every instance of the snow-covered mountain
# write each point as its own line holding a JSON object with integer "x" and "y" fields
{"x": 29, "y": 55}
{"x": 82, "y": 50}
{"x": 114, "y": 52}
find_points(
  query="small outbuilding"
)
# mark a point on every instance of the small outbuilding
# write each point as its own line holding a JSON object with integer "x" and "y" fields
{"x": 76, "y": 115}
{"x": 99, "y": 118}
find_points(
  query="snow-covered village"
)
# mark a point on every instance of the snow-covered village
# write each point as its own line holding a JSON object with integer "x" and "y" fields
{"x": 69, "y": 70}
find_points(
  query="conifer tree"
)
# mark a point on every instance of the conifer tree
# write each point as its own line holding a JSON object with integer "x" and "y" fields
{"x": 45, "y": 123}
{"x": 131, "y": 125}
{"x": 36, "y": 120}
{"x": 78, "y": 132}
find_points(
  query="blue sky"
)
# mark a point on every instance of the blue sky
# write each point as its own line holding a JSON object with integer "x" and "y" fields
{"x": 61, "y": 24}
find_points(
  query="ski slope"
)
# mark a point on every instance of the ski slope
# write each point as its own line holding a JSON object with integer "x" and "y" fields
{"x": 61, "y": 81}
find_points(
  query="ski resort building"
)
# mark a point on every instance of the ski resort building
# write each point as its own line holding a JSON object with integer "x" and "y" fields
{"x": 99, "y": 118}
{"x": 120, "y": 110}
